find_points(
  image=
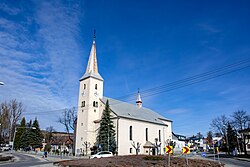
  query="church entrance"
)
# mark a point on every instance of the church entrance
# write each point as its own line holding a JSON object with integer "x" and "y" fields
{"x": 153, "y": 151}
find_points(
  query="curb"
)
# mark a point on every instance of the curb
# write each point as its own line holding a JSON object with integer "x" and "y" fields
{"x": 243, "y": 159}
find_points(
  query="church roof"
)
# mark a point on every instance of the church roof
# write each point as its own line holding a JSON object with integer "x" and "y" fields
{"x": 130, "y": 111}
{"x": 92, "y": 68}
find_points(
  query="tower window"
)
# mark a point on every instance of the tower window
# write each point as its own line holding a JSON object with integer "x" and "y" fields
{"x": 84, "y": 86}
{"x": 94, "y": 110}
{"x": 130, "y": 150}
{"x": 146, "y": 134}
{"x": 95, "y": 86}
{"x": 159, "y": 135}
{"x": 83, "y": 104}
{"x": 130, "y": 133}
{"x": 82, "y": 124}
{"x": 95, "y": 104}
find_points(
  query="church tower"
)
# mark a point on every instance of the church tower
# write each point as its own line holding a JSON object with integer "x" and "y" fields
{"x": 90, "y": 91}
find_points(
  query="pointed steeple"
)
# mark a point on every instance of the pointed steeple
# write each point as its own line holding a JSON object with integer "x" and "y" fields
{"x": 92, "y": 68}
{"x": 138, "y": 100}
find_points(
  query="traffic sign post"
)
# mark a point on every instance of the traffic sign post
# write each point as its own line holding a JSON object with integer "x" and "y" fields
{"x": 218, "y": 153}
{"x": 169, "y": 150}
{"x": 186, "y": 150}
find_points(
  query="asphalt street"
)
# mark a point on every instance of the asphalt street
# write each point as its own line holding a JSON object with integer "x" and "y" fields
{"x": 24, "y": 160}
{"x": 230, "y": 161}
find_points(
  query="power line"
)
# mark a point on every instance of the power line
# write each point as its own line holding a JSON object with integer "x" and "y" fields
{"x": 212, "y": 72}
{"x": 202, "y": 77}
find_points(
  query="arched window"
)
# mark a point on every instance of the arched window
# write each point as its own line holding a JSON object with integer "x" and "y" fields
{"x": 84, "y": 86}
{"x": 95, "y": 86}
{"x": 159, "y": 135}
{"x": 93, "y": 103}
{"x": 130, "y": 133}
{"x": 146, "y": 134}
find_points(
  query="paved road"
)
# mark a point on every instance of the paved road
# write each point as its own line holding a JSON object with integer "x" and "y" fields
{"x": 230, "y": 161}
{"x": 23, "y": 160}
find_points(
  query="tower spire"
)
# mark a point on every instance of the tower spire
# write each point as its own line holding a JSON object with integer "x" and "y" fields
{"x": 138, "y": 100}
{"x": 92, "y": 68}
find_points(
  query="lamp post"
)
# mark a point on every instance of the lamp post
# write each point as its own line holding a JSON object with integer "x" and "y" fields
{"x": 15, "y": 134}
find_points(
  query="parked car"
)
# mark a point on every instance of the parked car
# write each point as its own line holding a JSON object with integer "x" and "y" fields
{"x": 102, "y": 154}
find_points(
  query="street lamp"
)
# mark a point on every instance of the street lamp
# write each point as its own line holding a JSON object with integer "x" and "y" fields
{"x": 15, "y": 134}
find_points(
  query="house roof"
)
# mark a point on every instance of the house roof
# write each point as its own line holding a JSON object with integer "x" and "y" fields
{"x": 126, "y": 110}
{"x": 148, "y": 144}
{"x": 179, "y": 137}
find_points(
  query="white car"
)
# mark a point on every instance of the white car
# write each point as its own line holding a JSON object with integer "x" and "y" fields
{"x": 102, "y": 154}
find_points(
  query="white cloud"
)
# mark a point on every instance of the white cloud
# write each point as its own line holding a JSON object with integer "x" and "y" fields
{"x": 40, "y": 67}
{"x": 10, "y": 10}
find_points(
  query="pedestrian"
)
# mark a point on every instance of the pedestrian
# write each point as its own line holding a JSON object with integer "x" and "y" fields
{"x": 45, "y": 154}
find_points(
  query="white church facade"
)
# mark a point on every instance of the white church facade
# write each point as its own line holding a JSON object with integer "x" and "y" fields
{"x": 133, "y": 123}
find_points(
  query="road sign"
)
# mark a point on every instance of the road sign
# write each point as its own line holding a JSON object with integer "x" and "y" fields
{"x": 169, "y": 149}
{"x": 186, "y": 150}
{"x": 203, "y": 154}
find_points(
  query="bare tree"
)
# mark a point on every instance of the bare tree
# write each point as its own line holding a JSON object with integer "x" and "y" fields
{"x": 219, "y": 124}
{"x": 68, "y": 119}
{"x": 136, "y": 147}
{"x": 199, "y": 135}
{"x": 16, "y": 109}
{"x": 87, "y": 145}
{"x": 240, "y": 120}
{"x": 209, "y": 138}
{"x": 10, "y": 114}
{"x": 49, "y": 134}
{"x": 4, "y": 115}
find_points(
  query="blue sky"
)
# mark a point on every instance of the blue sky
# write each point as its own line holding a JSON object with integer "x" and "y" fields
{"x": 44, "y": 48}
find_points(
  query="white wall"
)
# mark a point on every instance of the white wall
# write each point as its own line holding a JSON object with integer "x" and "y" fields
{"x": 88, "y": 114}
{"x": 139, "y": 135}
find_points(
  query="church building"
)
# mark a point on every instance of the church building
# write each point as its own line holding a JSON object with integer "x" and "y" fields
{"x": 133, "y": 122}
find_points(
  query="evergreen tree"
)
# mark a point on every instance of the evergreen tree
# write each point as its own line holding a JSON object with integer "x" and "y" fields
{"x": 32, "y": 137}
{"x": 36, "y": 141}
{"x": 232, "y": 138}
{"x": 106, "y": 135}
{"x": 19, "y": 132}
